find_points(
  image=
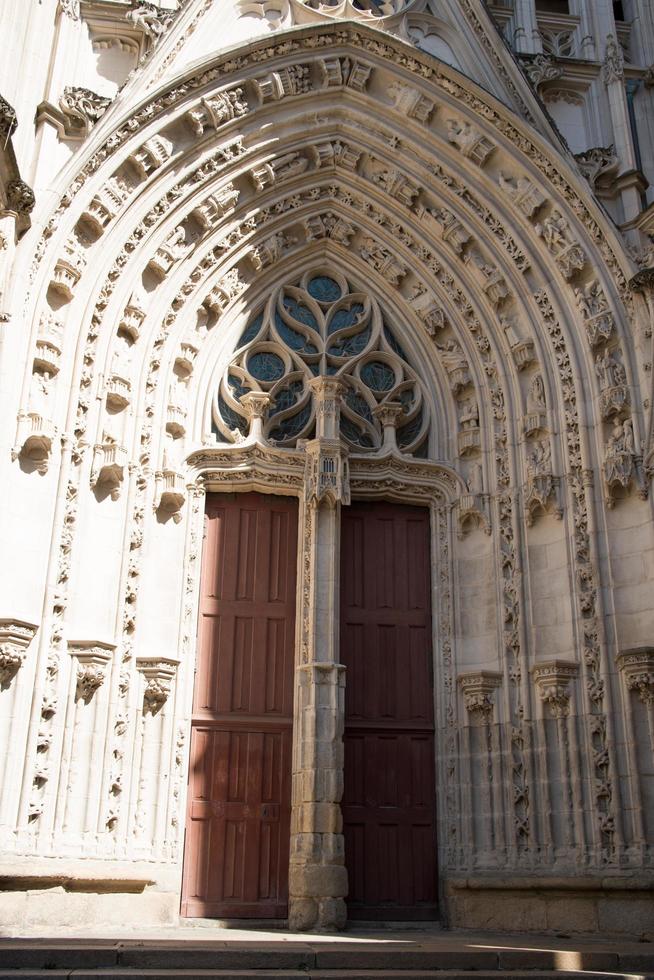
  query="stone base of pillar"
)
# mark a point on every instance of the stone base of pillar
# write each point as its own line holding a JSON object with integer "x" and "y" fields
{"x": 317, "y": 883}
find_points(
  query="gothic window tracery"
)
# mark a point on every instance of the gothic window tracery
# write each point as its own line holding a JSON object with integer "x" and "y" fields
{"x": 322, "y": 325}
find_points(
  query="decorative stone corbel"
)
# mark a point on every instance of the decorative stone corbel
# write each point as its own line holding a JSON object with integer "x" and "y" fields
{"x": 478, "y": 688}
{"x": 390, "y": 415}
{"x": 15, "y": 637}
{"x": 473, "y": 509}
{"x": 49, "y": 344}
{"x": 217, "y": 110}
{"x": 68, "y": 270}
{"x": 170, "y": 492}
{"x": 552, "y": 679}
{"x": 34, "y": 439}
{"x": 151, "y": 155}
{"x": 108, "y": 467}
{"x": 637, "y": 668}
{"x": 158, "y": 674}
{"x": 185, "y": 359}
{"x": 256, "y": 405}
{"x": 106, "y": 204}
{"x": 215, "y": 207}
{"x": 92, "y": 660}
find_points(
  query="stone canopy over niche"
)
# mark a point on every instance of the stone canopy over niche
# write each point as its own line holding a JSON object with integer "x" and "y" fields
{"x": 321, "y": 325}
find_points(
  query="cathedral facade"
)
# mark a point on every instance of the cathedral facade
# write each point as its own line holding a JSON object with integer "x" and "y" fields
{"x": 326, "y": 455}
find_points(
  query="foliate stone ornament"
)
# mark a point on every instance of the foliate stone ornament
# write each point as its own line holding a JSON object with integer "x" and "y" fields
{"x": 612, "y": 377}
{"x": 217, "y": 110}
{"x": 20, "y": 197}
{"x": 524, "y": 194}
{"x": 597, "y": 162}
{"x": 553, "y": 679}
{"x": 470, "y": 141}
{"x": 596, "y": 312}
{"x": 543, "y": 68}
{"x": 82, "y": 108}
{"x": 637, "y": 668}
{"x": 568, "y": 253}
{"x": 15, "y": 638}
{"x": 478, "y": 688}
{"x": 613, "y": 64}
{"x": 158, "y": 674}
{"x": 70, "y": 8}
{"x": 8, "y": 120}
{"x": 153, "y": 20}
{"x": 92, "y": 661}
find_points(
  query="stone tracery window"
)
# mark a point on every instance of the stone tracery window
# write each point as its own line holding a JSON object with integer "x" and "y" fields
{"x": 321, "y": 325}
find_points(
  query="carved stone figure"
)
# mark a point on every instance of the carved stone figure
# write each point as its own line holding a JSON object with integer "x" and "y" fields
{"x": 524, "y": 194}
{"x": 556, "y": 233}
{"x": 619, "y": 456}
{"x": 470, "y": 141}
{"x": 613, "y": 64}
{"x": 594, "y": 308}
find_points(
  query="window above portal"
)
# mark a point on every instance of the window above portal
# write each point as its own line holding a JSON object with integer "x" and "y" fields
{"x": 320, "y": 325}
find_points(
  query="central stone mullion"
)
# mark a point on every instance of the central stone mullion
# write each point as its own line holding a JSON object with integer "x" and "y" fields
{"x": 318, "y": 878}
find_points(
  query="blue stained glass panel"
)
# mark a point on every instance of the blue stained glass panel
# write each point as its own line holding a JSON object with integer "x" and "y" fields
{"x": 395, "y": 345}
{"x": 378, "y": 375}
{"x": 293, "y": 338}
{"x": 300, "y": 312}
{"x": 251, "y": 331}
{"x": 266, "y": 366}
{"x": 348, "y": 346}
{"x": 324, "y": 289}
{"x": 291, "y": 427}
{"x": 345, "y": 317}
{"x": 287, "y": 397}
{"x": 238, "y": 387}
{"x": 354, "y": 434}
{"x": 231, "y": 418}
{"x": 407, "y": 433}
{"x": 358, "y": 404}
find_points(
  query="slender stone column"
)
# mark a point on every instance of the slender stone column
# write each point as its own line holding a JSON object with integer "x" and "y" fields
{"x": 318, "y": 878}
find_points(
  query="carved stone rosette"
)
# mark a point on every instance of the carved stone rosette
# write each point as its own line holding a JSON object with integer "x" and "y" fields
{"x": 15, "y": 637}
{"x": 552, "y": 679}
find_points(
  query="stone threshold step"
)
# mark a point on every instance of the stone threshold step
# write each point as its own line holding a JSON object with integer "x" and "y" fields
{"x": 116, "y": 973}
{"x": 435, "y": 960}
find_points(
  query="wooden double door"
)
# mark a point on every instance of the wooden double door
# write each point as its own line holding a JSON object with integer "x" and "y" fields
{"x": 238, "y": 819}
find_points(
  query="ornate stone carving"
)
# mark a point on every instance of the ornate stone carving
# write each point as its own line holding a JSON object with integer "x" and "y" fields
{"x": 568, "y": 253}
{"x": 327, "y": 478}
{"x": 597, "y": 162}
{"x": 428, "y": 309}
{"x": 81, "y": 108}
{"x": 20, "y": 197}
{"x": 552, "y": 679}
{"x": 346, "y": 71}
{"x": 330, "y": 225}
{"x": 491, "y": 279}
{"x": 158, "y": 674}
{"x": 170, "y": 492}
{"x": 292, "y": 80}
{"x": 8, "y": 120}
{"x": 541, "y": 484}
{"x": 594, "y": 308}
{"x": 270, "y": 250}
{"x": 214, "y": 207}
{"x": 456, "y": 365}
{"x": 543, "y": 68}
{"x": 107, "y": 203}
{"x": 221, "y": 295}
{"x": 471, "y": 142}
{"x": 172, "y": 250}
{"x": 49, "y": 344}
{"x": 522, "y": 350}
{"x": 134, "y": 315}
{"x": 410, "y": 102}
{"x": 613, "y": 64}
{"x": 383, "y": 261}
{"x": 279, "y": 169}
{"x": 92, "y": 660}
{"x": 151, "y": 155}
{"x": 525, "y": 195}
{"x": 469, "y": 432}
{"x": 393, "y": 182}
{"x": 637, "y": 668}
{"x": 451, "y": 229}
{"x": 108, "y": 468}
{"x": 619, "y": 458}
{"x": 15, "y": 638}
{"x": 217, "y": 110}
{"x": 68, "y": 269}
{"x": 478, "y": 688}
{"x": 153, "y": 20}
{"x": 612, "y": 377}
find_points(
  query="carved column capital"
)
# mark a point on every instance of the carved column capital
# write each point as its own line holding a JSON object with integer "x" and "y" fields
{"x": 158, "y": 673}
{"x": 389, "y": 414}
{"x": 15, "y": 637}
{"x": 478, "y": 688}
{"x": 256, "y": 405}
{"x": 552, "y": 679}
{"x": 637, "y": 668}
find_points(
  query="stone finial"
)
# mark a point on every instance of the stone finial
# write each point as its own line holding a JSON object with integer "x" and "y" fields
{"x": 158, "y": 673}
{"x": 552, "y": 679}
{"x": 15, "y": 637}
{"x": 637, "y": 667}
{"x": 478, "y": 688}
